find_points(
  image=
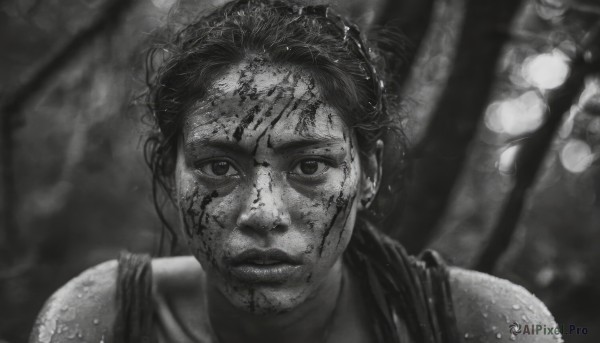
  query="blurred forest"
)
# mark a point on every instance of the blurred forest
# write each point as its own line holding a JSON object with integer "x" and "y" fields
{"x": 502, "y": 115}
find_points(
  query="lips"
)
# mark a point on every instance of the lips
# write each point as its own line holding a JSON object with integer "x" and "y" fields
{"x": 264, "y": 266}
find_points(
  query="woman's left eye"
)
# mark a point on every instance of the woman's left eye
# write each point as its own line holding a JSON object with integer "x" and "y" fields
{"x": 310, "y": 167}
{"x": 218, "y": 168}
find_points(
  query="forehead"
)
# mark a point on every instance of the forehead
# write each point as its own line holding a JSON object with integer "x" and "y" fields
{"x": 257, "y": 76}
{"x": 258, "y": 97}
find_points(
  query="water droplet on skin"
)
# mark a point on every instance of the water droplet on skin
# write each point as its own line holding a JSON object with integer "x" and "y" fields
{"x": 516, "y": 307}
{"x": 89, "y": 282}
{"x": 96, "y": 321}
{"x": 498, "y": 335}
{"x": 79, "y": 335}
{"x": 467, "y": 335}
{"x": 69, "y": 315}
{"x": 79, "y": 295}
{"x": 47, "y": 331}
{"x": 494, "y": 327}
{"x": 524, "y": 318}
{"x": 484, "y": 314}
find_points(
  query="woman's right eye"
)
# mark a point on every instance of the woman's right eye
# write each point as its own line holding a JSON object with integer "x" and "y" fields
{"x": 217, "y": 168}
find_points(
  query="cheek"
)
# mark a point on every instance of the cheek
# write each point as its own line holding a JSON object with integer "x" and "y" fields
{"x": 330, "y": 219}
{"x": 204, "y": 221}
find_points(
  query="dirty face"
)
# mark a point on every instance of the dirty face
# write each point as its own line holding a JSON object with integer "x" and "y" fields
{"x": 268, "y": 182}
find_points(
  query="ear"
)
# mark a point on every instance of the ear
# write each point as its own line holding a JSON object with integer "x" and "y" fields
{"x": 371, "y": 176}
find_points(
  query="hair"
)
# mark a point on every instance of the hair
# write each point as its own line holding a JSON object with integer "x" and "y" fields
{"x": 315, "y": 38}
{"x": 351, "y": 76}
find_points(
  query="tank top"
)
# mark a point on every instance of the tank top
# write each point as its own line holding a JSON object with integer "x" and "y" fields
{"x": 408, "y": 297}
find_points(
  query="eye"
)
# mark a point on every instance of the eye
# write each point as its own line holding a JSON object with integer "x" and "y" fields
{"x": 217, "y": 168}
{"x": 310, "y": 167}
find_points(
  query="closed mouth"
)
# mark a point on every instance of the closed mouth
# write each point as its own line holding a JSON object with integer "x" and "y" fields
{"x": 265, "y": 257}
{"x": 264, "y": 266}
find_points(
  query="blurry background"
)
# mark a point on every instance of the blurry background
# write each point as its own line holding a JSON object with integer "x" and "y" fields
{"x": 503, "y": 114}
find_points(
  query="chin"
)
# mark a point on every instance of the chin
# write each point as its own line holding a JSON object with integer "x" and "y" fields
{"x": 265, "y": 300}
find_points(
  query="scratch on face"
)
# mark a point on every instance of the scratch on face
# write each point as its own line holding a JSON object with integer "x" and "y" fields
{"x": 351, "y": 151}
{"x": 258, "y": 122}
{"x": 246, "y": 81}
{"x": 239, "y": 130}
{"x": 262, "y": 164}
{"x": 345, "y": 221}
{"x": 207, "y": 199}
{"x": 218, "y": 221}
{"x": 258, "y": 191}
{"x": 258, "y": 141}
{"x": 270, "y": 182}
{"x": 283, "y": 111}
{"x": 330, "y": 201}
{"x": 191, "y": 212}
{"x": 307, "y": 117}
{"x": 340, "y": 206}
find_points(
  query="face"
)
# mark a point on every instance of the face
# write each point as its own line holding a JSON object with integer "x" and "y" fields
{"x": 268, "y": 184}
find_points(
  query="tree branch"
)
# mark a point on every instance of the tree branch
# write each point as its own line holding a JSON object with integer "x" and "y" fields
{"x": 532, "y": 153}
{"x": 13, "y": 104}
{"x": 440, "y": 156}
{"x": 412, "y": 18}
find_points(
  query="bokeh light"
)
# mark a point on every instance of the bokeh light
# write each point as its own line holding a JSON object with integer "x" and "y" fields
{"x": 593, "y": 127}
{"x": 567, "y": 126}
{"x": 516, "y": 116}
{"x": 576, "y": 156}
{"x": 589, "y": 101}
{"x": 164, "y": 5}
{"x": 506, "y": 162}
{"x": 546, "y": 71}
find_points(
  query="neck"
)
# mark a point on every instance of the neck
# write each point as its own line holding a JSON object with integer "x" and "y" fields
{"x": 310, "y": 321}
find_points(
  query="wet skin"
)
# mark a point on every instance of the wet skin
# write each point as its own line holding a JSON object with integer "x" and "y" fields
{"x": 265, "y": 163}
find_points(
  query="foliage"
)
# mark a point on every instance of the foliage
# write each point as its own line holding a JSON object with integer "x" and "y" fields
{"x": 82, "y": 191}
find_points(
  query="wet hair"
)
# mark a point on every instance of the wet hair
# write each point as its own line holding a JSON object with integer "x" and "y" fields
{"x": 351, "y": 76}
{"x": 315, "y": 38}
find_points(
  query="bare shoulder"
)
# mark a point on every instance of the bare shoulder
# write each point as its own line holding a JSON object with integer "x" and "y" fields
{"x": 177, "y": 275}
{"x": 83, "y": 308}
{"x": 486, "y": 308}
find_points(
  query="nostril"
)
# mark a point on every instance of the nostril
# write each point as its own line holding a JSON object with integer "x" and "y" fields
{"x": 264, "y": 211}
{"x": 276, "y": 226}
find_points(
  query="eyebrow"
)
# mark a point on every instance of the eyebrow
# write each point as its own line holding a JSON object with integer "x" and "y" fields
{"x": 306, "y": 143}
{"x": 282, "y": 147}
{"x": 199, "y": 143}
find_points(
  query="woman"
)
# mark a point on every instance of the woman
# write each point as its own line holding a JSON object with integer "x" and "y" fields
{"x": 271, "y": 124}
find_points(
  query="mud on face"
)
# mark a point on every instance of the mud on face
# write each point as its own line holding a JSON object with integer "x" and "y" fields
{"x": 265, "y": 163}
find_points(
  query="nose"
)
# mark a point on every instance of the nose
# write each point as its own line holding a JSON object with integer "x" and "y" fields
{"x": 264, "y": 210}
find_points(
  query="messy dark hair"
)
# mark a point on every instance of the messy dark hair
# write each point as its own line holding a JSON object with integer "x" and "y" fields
{"x": 347, "y": 70}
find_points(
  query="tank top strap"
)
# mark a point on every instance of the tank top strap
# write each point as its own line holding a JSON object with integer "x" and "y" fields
{"x": 409, "y": 296}
{"x": 134, "y": 320}
{"x": 435, "y": 278}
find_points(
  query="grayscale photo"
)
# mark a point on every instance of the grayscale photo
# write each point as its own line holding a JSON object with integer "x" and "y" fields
{"x": 293, "y": 171}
